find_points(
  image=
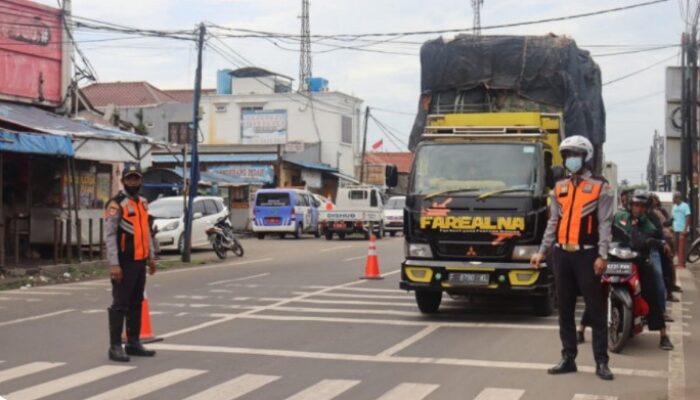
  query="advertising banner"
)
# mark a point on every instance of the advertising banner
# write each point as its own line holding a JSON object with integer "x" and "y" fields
{"x": 249, "y": 173}
{"x": 264, "y": 126}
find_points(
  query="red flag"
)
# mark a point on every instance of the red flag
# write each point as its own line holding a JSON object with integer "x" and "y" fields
{"x": 378, "y": 144}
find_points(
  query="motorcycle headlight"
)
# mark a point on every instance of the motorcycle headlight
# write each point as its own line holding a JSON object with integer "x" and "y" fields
{"x": 623, "y": 253}
{"x": 171, "y": 226}
{"x": 420, "y": 250}
{"x": 524, "y": 253}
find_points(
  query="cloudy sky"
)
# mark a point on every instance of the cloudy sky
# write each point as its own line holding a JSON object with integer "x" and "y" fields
{"x": 635, "y": 106}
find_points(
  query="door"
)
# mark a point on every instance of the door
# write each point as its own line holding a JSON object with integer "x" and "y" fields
{"x": 303, "y": 208}
{"x": 314, "y": 210}
{"x": 199, "y": 225}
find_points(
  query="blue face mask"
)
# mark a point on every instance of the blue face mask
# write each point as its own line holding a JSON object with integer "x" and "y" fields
{"x": 574, "y": 164}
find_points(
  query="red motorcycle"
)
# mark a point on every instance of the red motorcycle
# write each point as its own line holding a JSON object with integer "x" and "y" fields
{"x": 627, "y": 310}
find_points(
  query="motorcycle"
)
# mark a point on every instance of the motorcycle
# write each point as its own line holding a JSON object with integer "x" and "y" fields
{"x": 222, "y": 238}
{"x": 627, "y": 310}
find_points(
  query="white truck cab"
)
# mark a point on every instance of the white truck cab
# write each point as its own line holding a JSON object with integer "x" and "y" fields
{"x": 358, "y": 209}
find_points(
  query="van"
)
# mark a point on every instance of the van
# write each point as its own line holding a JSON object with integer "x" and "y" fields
{"x": 283, "y": 211}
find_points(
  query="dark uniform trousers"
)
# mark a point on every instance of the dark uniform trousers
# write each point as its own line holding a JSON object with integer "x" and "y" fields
{"x": 128, "y": 294}
{"x": 574, "y": 274}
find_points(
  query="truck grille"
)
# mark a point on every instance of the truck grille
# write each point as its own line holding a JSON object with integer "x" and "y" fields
{"x": 472, "y": 250}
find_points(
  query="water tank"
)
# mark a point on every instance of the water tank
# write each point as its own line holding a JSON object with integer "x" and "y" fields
{"x": 317, "y": 84}
{"x": 224, "y": 81}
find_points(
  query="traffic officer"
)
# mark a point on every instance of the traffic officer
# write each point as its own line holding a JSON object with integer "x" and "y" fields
{"x": 129, "y": 250}
{"x": 579, "y": 226}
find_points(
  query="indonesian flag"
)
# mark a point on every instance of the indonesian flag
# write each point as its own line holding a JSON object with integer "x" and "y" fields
{"x": 378, "y": 144}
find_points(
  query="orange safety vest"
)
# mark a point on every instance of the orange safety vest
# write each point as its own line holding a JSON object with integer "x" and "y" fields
{"x": 578, "y": 205}
{"x": 133, "y": 232}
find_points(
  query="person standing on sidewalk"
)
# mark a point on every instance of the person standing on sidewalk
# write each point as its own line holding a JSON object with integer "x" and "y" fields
{"x": 579, "y": 226}
{"x": 130, "y": 249}
{"x": 681, "y": 225}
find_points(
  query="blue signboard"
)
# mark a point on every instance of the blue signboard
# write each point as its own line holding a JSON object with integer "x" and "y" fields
{"x": 247, "y": 172}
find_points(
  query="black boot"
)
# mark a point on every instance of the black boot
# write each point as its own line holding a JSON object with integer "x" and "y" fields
{"x": 580, "y": 337}
{"x": 133, "y": 331}
{"x": 116, "y": 325}
{"x": 565, "y": 366}
{"x": 603, "y": 371}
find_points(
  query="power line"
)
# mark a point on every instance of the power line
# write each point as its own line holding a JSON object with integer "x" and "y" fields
{"x": 620, "y": 53}
{"x": 631, "y": 74}
{"x": 393, "y": 111}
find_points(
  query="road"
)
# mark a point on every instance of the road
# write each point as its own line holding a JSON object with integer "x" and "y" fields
{"x": 291, "y": 320}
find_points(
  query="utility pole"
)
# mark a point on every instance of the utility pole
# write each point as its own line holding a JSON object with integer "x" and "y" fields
{"x": 364, "y": 147}
{"x": 476, "y": 8}
{"x": 305, "y": 54}
{"x": 693, "y": 138}
{"x": 194, "y": 163}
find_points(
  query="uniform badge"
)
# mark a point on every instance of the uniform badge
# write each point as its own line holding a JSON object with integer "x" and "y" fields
{"x": 112, "y": 210}
{"x": 588, "y": 188}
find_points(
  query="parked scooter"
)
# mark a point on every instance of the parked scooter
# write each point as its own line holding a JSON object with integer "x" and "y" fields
{"x": 222, "y": 238}
{"x": 627, "y": 310}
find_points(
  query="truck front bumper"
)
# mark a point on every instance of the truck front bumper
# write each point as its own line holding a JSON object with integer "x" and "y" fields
{"x": 511, "y": 278}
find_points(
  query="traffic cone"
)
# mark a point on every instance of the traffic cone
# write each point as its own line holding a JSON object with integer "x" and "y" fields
{"x": 372, "y": 264}
{"x": 146, "y": 334}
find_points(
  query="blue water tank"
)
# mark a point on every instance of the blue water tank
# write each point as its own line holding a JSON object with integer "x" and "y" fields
{"x": 317, "y": 84}
{"x": 224, "y": 82}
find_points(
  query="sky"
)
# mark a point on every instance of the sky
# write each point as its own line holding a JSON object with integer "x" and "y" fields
{"x": 635, "y": 106}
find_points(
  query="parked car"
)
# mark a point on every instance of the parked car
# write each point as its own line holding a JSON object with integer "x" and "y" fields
{"x": 393, "y": 214}
{"x": 283, "y": 211}
{"x": 169, "y": 220}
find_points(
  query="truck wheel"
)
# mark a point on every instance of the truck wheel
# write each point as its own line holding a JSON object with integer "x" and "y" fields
{"x": 543, "y": 306}
{"x": 317, "y": 233}
{"x": 329, "y": 235}
{"x": 282, "y": 235}
{"x": 297, "y": 231}
{"x": 261, "y": 236}
{"x": 428, "y": 301}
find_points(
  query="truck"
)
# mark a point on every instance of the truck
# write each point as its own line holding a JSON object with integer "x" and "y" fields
{"x": 492, "y": 113}
{"x": 357, "y": 210}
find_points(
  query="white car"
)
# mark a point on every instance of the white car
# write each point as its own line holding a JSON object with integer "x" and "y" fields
{"x": 170, "y": 222}
{"x": 393, "y": 214}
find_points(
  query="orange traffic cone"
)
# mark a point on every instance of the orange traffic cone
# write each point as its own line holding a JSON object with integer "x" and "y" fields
{"x": 372, "y": 264}
{"x": 146, "y": 334}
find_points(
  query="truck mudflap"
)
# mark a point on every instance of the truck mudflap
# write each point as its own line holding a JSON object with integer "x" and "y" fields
{"x": 514, "y": 278}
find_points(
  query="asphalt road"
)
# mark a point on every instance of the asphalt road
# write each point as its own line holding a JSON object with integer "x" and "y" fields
{"x": 291, "y": 320}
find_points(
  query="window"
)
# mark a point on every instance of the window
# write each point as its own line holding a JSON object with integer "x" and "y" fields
{"x": 198, "y": 207}
{"x": 219, "y": 206}
{"x": 346, "y": 130}
{"x": 272, "y": 199}
{"x": 357, "y": 194}
{"x": 210, "y": 206}
{"x": 180, "y": 132}
{"x": 250, "y": 108}
{"x": 220, "y": 107}
{"x": 302, "y": 201}
{"x": 374, "y": 201}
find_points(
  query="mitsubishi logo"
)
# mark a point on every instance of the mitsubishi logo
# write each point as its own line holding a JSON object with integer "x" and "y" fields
{"x": 471, "y": 252}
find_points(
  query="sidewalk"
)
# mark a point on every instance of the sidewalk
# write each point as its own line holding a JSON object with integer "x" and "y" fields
{"x": 689, "y": 363}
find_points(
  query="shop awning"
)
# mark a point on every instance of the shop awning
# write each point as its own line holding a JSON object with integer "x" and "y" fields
{"x": 348, "y": 178}
{"x": 216, "y": 158}
{"x": 35, "y": 143}
{"x": 315, "y": 166}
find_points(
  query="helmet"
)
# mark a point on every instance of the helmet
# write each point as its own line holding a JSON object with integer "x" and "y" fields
{"x": 578, "y": 144}
{"x": 640, "y": 196}
{"x": 131, "y": 169}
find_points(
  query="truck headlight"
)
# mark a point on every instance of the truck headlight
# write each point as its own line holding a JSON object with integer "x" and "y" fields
{"x": 420, "y": 250}
{"x": 524, "y": 253}
{"x": 171, "y": 226}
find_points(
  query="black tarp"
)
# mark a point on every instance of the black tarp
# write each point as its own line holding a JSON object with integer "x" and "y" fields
{"x": 512, "y": 73}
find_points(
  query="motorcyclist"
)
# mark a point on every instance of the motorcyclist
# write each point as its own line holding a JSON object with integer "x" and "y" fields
{"x": 635, "y": 229}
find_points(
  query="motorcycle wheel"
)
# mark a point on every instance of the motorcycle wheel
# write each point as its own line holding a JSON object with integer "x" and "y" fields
{"x": 219, "y": 249}
{"x": 620, "y": 329}
{"x": 237, "y": 248}
{"x": 694, "y": 253}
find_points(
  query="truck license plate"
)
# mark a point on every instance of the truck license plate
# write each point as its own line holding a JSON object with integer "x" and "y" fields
{"x": 339, "y": 225}
{"x": 468, "y": 279}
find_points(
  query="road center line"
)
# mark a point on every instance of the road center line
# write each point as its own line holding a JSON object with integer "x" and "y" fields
{"x": 245, "y": 278}
{"x": 458, "y": 362}
{"x": 17, "y": 321}
{"x": 347, "y": 246}
{"x": 354, "y": 258}
{"x": 409, "y": 341}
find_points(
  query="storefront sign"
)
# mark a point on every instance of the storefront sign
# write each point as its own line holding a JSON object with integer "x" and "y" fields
{"x": 248, "y": 173}
{"x": 294, "y": 147}
{"x": 264, "y": 126}
{"x": 312, "y": 178}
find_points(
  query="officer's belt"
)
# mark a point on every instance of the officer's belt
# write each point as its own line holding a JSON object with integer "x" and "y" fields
{"x": 574, "y": 247}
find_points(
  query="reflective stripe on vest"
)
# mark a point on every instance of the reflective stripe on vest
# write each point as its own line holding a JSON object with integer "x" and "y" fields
{"x": 134, "y": 224}
{"x": 576, "y": 204}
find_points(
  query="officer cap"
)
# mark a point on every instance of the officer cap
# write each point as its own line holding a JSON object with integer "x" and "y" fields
{"x": 131, "y": 169}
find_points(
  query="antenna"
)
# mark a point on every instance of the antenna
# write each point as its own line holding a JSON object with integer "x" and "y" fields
{"x": 305, "y": 54}
{"x": 476, "y": 7}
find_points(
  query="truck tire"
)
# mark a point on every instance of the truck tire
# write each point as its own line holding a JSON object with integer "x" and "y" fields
{"x": 317, "y": 233}
{"x": 261, "y": 236}
{"x": 297, "y": 231}
{"x": 341, "y": 235}
{"x": 392, "y": 233}
{"x": 329, "y": 235}
{"x": 543, "y": 306}
{"x": 428, "y": 301}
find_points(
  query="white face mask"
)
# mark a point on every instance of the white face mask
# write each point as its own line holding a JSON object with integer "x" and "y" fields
{"x": 574, "y": 164}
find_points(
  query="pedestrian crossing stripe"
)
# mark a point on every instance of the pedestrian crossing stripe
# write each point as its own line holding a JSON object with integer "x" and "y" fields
{"x": 232, "y": 389}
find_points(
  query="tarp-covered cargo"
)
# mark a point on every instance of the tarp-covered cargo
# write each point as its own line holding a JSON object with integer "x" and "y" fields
{"x": 512, "y": 73}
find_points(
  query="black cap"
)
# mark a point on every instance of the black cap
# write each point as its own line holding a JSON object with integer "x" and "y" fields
{"x": 132, "y": 169}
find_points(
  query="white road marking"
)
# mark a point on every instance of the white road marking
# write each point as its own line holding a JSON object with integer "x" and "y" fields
{"x": 62, "y": 287}
{"x": 579, "y": 396}
{"x": 500, "y": 394}
{"x": 245, "y": 278}
{"x": 334, "y": 248}
{"x": 346, "y": 311}
{"x": 68, "y": 382}
{"x": 264, "y": 308}
{"x": 355, "y": 258}
{"x": 325, "y": 390}
{"x": 215, "y": 266}
{"x": 409, "y": 341}
{"x": 182, "y": 314}
{"x": 35, "y": 293}
{"x": 235, "y": 388}
{"x": 356, "y": 302}
{"x": 457, "y": 362}
{"x": 363, "y": 296}
{"x": 191, "y": 297}
{"x": 26, "y": 369}
{"x": 94, "y": 311}
{"x": 148, "y": 385}
{"x": 357, "y": 289}
{"x": 409, "y": 391}
{"x": 17, "y": 321}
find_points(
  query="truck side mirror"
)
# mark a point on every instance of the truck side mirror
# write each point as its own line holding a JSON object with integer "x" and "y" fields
{"x": 554, "y": 175}
{"x": 391, "y": 175}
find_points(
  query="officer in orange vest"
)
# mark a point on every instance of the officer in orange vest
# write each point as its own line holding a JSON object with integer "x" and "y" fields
{"x": 129, "y": 250}
{"x": 579, "y": 227}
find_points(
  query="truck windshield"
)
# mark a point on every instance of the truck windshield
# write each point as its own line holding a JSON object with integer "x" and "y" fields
{"x": 474, "y": 168}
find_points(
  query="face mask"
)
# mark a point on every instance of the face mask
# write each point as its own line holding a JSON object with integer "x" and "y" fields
{"x": 132, "y": 190}
{"x": 574, "y": 164}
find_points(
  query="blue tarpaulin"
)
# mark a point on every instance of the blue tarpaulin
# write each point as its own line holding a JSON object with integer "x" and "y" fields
{"x": 36, "y": 143}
